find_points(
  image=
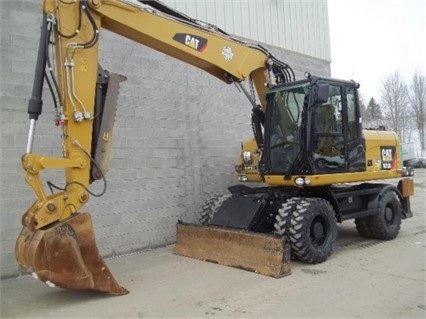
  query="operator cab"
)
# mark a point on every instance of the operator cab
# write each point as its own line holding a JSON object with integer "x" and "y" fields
{"x": 313, "y": 126}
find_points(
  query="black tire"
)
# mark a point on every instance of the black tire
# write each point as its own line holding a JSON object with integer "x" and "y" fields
{"x": 284, "y": 214}
{"x": 386, "y": 223}
{"x": 363, "y": 228}
{"x": 283, "y": 217}
{"x": 210, "y": 207}
{"x": 313, "y": 230}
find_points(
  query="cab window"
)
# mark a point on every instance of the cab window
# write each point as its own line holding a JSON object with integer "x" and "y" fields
{"x": 352, "y": 117}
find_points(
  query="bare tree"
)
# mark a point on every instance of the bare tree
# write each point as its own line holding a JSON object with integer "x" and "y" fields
{"x": 417, "y": 99}
{"x": 394, "y": 100}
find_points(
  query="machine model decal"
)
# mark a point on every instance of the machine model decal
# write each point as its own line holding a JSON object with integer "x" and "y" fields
{"x": 192, "y": 41}
{"x": 227, "y": 53}
{"x": 388, "y": 155}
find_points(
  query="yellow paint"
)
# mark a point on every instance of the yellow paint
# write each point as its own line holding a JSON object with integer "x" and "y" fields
{"x": 84, "y": 65}
{"x": 105, "y": 136}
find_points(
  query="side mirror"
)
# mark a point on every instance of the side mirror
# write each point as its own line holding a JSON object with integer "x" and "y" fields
{"x": 322, "y": 93}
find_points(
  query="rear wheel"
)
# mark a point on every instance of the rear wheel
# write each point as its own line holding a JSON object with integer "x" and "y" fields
{"x": 311, "y": 228}
{"x": 386, "y": 223}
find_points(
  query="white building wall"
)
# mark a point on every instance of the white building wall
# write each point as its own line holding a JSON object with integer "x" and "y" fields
{"x": 300, "y": 26}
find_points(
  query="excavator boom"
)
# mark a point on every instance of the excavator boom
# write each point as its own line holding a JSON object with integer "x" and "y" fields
{"x": 57, "y": 243}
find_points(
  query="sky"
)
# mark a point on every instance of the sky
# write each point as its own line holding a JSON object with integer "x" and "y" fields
{"x": 371, "y": 39}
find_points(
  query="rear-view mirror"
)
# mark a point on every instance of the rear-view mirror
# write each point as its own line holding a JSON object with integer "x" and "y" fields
{"x": 322, "y": 93}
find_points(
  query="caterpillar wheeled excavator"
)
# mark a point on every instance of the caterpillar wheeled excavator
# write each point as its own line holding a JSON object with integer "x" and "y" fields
{"x": 309, "y": 151}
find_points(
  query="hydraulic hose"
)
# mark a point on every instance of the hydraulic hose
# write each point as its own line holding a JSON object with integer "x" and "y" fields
{"x": 35, "y": 103}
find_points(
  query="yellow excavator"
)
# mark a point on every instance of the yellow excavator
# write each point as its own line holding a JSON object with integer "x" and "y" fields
{"x": 308, "y": 151}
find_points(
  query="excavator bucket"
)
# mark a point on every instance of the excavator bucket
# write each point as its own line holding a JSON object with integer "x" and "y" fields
{"x": 65, "y": 254}
{"x": 265, "y": 254}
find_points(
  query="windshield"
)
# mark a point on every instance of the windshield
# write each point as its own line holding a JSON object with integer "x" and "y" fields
{"x": 285, "y": 107}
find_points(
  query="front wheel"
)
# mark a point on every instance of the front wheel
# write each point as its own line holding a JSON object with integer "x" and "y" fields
{"x": 313, "y": 230}
{"x": 210, "y": 207}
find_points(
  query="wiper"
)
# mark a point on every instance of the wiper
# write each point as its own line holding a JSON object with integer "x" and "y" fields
{"x": 287, "y": 175}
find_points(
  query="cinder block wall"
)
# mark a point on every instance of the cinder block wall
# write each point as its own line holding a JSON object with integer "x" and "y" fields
{"x": 178, "y": 132}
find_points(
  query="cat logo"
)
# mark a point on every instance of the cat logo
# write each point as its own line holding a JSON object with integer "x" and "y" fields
{"x": 389, "y": 157}
{"x": 192, "y": 41}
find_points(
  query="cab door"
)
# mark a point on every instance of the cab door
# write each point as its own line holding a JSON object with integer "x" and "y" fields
{"x": 354, "y": 141}
{"x": 328, "y": 139}
{"x": 337, "y": 144}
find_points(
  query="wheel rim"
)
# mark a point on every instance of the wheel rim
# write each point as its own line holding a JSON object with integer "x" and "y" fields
{"x": 319, "y": 231}
{"x": 389, "y": 215}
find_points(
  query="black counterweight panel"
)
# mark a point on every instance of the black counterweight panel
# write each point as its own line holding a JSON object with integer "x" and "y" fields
{"x": 238, "y": 212}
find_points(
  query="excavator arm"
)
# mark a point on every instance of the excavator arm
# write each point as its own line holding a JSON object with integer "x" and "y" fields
{"x": 57, "y": 242}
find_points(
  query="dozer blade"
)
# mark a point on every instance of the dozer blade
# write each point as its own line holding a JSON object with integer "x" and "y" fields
{"x": 265, "y": 254}
{"x": 65, "y": 255}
